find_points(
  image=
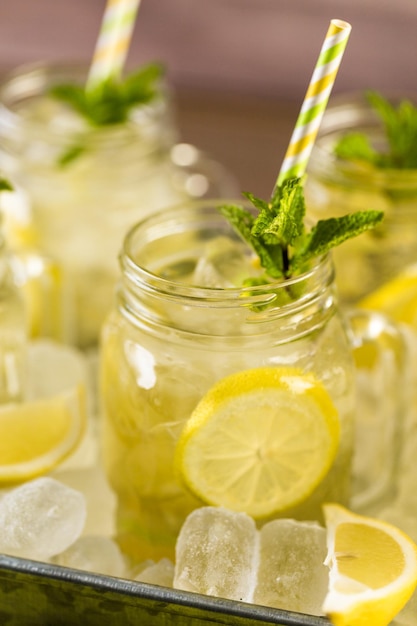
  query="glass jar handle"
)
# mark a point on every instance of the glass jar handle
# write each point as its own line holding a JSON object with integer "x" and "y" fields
{"x": 383, "y": 400}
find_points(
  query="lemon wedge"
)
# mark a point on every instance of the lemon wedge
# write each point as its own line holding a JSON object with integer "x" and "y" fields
{"x": 397, "y": 298}
{"x": 260, "y": 441}
{"x": 35, "y": 436}
{"x": 373, "y": 569}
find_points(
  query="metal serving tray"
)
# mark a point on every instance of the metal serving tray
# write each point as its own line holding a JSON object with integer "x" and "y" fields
{"x": 39, "y": 594}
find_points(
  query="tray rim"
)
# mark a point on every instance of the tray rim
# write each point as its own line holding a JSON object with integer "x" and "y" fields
{"x": 130, "y": 591}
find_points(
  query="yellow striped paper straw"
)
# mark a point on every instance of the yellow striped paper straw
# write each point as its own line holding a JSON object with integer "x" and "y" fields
{"x": 113, "y": 41}
{"x": 315, "y": 101}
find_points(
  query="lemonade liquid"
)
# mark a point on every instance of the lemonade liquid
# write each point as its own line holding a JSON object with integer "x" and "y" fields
{"x": 180, "y": 325}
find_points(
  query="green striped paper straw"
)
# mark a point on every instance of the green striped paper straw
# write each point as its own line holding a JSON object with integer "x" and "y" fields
{"x": 113, "y": 41}
{"x": 315, "y": 101}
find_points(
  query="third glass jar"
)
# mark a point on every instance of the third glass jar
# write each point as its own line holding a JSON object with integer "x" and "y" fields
{"x": 335, "y": 186}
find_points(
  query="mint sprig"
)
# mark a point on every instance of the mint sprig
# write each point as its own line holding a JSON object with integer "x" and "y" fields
{"x": 5, "y": 185}
{"x": 400, "y": 130}
{"x": 111, "y": 101}
{"x": 278, "y": 233}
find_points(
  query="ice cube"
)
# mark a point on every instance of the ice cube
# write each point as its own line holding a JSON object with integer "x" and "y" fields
{"x": 216, "y": 553}
{"x": 291, "y": 574}
{"x": 100, "y": 499}
{"x": 224, "y": 264}
{"x": 94, "y": 554}
{"x": 160, "y": 573}
{"x": 206, "y": 275}
{"x": 53, "y": 368}
{"x": 40, "y": 518}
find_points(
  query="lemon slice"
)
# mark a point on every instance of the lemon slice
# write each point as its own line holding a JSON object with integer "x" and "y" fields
{"x": 396, "y": 298}
{"x": 373, "y": 569}
{"x": 259, "y": 441}
{"x": 35, "y": 436}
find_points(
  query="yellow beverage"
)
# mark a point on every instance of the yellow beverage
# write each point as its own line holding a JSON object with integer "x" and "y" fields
{"x": 183, "y": 323}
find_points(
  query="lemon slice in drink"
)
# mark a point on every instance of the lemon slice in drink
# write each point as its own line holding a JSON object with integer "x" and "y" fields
{"x": 259, "y": 441}
{"x": 373, "y": 569}
{"x": 396, "y": 298}
{"x": 35, "y": 436}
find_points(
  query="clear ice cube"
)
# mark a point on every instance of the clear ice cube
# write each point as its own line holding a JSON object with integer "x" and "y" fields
{"x": 160, "y": 573}
{"x": 206, "y": 275}
{"x": 224, "y": 263}
{"x": 291, "y": 574}
{"x": 100, "y": 499}
{"x": 40, "y": 519}
{"x": 94, "y": 554}
{"x": 216, "y": 554}
{"x": 53, "y": 368}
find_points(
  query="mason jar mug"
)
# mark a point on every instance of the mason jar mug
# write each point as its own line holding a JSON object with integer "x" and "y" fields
{"x": 79, "y": 187}
{"x": 181, "y": 327}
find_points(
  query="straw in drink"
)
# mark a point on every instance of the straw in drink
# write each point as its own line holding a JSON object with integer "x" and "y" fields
{"x": 113, "y": 41}
{"x": 315, "y": 101}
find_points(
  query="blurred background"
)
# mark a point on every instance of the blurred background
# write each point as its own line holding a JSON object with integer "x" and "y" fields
{"x": 239, "y": 68}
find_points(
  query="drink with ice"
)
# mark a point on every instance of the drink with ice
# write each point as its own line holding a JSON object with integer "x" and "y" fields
{"x": 364, "y": 157}
{"x": 185, "y": 321}
{"x": 220, "y": 385}
{"x": 80, "y": 184}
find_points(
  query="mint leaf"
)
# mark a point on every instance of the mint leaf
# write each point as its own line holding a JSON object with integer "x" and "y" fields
{"x": 243, "y": 220}
{"x": 289, "y": 210}
{"x": 5, "y": 185}
{"x": 240, "y": 218}
{"x": 356, "y": 146}
{"x": 278, "y": 235}
{"x": 71, "y": 154}
{"x": 400, "y": 130}
{"x": 261, "y": 205}
{"x": 111, "y": 101}
{"x": 329, "y": 233}
{"x": 141, "y": 86}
